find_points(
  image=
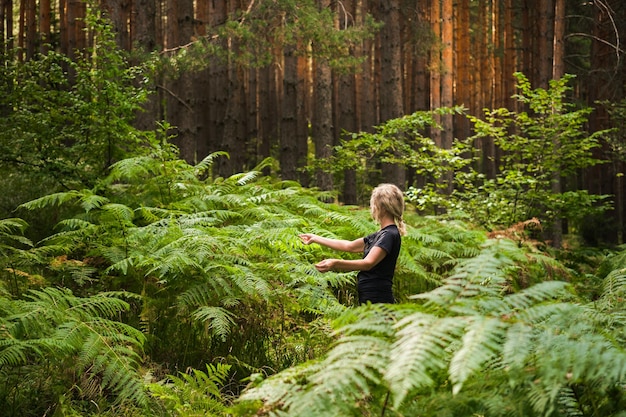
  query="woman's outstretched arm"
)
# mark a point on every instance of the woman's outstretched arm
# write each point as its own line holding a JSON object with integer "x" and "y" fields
{"x": 356, "y": 245}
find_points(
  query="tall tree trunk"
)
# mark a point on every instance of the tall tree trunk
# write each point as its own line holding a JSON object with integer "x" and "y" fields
{"x": 265, "y": 97}
{"x": 545, "y": 41}
{"x": 463, "y": 63}
{"x": 546, "y": 59}
{"x": 528, "y": 35}
{"x": 346, "y": 102}
{"x": 365, "y": 103}
{"x": 118, "y": 12}
{"x": 509, "y": 67}
{"x": 218, "y": 83}
{"x": 435, "y": 65}
{"x": 322, "y": 111}
{"x": 32, "y": 37}
{"x": 144, "y": 39}
{"x": 322, "y": 119}
{"x": 6, "y": 24}
{"x": 44, "y": 25}
{"x": 234, "y": 140}
{"x": 391, "y": 102}
{"x": 447, "y": 68}
{"x": 288, "y": 144}
{"x": 180, "y": 105}
{"x": 303, "y": 115}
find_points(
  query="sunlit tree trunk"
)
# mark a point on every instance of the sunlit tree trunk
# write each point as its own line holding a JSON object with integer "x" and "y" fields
{"x": 462, "y": 65}
{"x": 435, "y": 65}
{"x": 497, "y": 42}
{"x": 6, "y": 24}
{"x": 447, "y": 70}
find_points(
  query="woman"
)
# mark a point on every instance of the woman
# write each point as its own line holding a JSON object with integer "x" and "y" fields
{"x": 380, "y": 249}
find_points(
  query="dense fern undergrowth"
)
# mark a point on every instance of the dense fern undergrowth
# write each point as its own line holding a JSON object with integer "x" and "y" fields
{"x": 167, "y": 291}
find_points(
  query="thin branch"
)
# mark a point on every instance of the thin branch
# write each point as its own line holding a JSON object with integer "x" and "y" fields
{"x": 180, "y": 100}
{"x": 618, "y": 50}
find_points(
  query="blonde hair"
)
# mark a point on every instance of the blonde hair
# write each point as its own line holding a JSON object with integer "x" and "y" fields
{"x": 388, "y": 199}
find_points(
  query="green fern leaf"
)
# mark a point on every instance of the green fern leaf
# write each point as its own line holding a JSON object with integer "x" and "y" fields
{"x": 219, "y": 320}
{"x": 480, "y": 343}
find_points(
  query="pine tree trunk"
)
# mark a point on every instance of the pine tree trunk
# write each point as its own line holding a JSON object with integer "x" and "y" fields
{"x": 447, "y": 67}
{"x": 435, "y": 66}
{"x": 463, "y": 62}
{"x": 303, "y": 116}
{"x": 44, "y": 25}
{"x": 391, "y": 94}
{"x": 365, "y": 102}
{"x": 545, "y": 41}
{"x": 322, "y": 119}
{"x": 32, "y": 37}
{"x": 345, "y": 107}
{"x": 509, "y": 57}
{"x": 179, "y": 91}
{"x": 288, "y": 127}
{"x": 144, "y": 35}
{"x": 218, "y": 83}
{"x": 6, "y": 25}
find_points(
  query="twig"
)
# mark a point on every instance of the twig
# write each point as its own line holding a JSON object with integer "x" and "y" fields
{"x": 175, "y": 96}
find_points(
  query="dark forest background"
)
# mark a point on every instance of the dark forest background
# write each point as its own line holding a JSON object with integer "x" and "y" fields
{"x": 291, "y": 79}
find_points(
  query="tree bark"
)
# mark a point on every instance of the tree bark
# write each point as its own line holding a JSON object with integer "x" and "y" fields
{"x": 144, "y": 39}
{"x": 288, "y": 126}
{"x": 447, "y": 67}
{"x": 545, "y": 43}
{"x": 322, "y": 111}
{"x": 44, "y": 25}
{"x": 346, "y": 102}
{"x": 463, "y": 63}
{"x": 391, "y": 94}
{"x": 322, "y": 119}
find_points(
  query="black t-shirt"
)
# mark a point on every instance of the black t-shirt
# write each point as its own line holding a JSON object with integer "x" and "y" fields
{"x": 375, "y": 285}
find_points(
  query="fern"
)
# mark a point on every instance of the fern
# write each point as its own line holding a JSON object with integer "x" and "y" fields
{"x": 53, "y": 323}
{"x": 194, "y": 393}
{"x": 533, "y": 346}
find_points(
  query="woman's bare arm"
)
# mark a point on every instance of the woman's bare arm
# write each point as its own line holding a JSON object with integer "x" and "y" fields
{"x": 375, "y": 255}
{"x": 356, "y": 245}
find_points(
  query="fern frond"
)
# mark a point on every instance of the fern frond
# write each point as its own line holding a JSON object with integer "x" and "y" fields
{"x": 420, "y": 351}
{"x": 207, "y": 162}
{"x": 195, "y": 393}
{"x": 480, "y": 343}
{"x": 12, "y": 225}
{"x": 219, "y": 320}
{"x": 536, "y": 294}
{"x": 120, "y": 213}
{"x": 52, "y": 200}
{"x": 483, "y": 275}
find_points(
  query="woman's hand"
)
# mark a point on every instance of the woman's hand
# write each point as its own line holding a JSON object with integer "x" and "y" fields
{"x": 326, "y": 265}
{"x": 307, "y": 238}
